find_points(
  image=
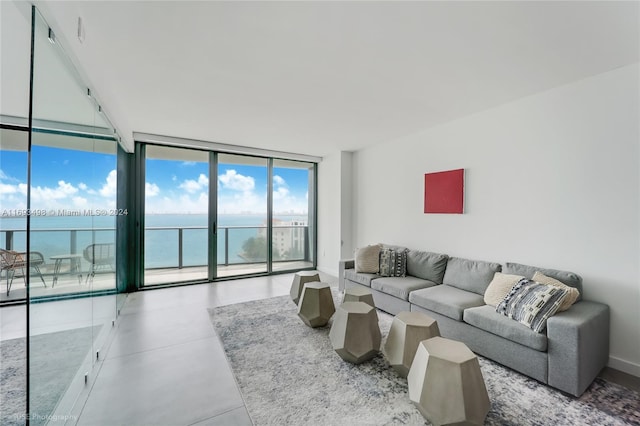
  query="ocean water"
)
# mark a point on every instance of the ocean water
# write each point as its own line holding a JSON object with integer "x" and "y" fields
{"x": 55, "y": 235}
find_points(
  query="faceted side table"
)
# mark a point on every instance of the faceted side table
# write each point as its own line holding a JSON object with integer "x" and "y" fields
{"x": 315, "y": 306}
{"x": 407, "y": 330}
{"x": 446, "y": 384}
{"x": 355, "y": 334}
{"x": 358, "y": 294}
{"x": 299, "y": 280}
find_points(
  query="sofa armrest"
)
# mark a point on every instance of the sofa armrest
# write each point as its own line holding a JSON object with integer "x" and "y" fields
{"x": 342, "y": 266}
{"x": 578, "y": 346}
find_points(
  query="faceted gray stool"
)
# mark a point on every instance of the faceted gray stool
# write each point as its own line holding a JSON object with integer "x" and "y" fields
{"x": 299, "y": 279}
{"x": 316, "y": 304}
{"x": 358, "y": 294}
{"x": 446, "y": 384}
{"x": 355, "y": 334}
{"x": 407, "y": 330}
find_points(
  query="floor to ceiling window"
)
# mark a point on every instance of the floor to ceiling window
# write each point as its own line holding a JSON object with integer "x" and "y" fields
{"x": 256, "y": 216}
{"x": 293, "y": 233}
{"x": 176, "y": 215}
{"x": 241, "y": 215}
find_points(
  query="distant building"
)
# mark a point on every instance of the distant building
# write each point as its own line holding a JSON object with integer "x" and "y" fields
{"x": 288, "y": 238}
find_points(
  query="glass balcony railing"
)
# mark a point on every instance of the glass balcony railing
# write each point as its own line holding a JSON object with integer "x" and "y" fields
{"x": 166, "y": 247}
{"x": 236, "y": 245}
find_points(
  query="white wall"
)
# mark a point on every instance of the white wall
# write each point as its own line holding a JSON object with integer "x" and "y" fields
{"x": 335, "y": 237}
{"x": 551, "y": 180}
{"x": 329, "y": 214}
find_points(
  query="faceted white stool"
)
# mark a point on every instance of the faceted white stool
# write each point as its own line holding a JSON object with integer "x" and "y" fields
{"x": 407, "y": 330}
{"x": 315, "y": 306}
{"x": 299, "y": 279}
{"x": 358, "y": 294}
{"x": 355, "y": 334}
{"x": 446, "y": 384}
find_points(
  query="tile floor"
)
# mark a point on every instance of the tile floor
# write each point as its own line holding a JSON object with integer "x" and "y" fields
{"x": 165, "y": 364}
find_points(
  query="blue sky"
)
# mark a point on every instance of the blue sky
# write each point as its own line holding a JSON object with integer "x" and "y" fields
{"x": 82, "y": 180}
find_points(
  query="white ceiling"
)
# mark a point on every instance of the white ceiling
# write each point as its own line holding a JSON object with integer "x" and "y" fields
{"x": 320, "y": 77}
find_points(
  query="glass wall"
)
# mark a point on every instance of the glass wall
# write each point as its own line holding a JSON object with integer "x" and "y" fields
{"x": 70, "y": 238}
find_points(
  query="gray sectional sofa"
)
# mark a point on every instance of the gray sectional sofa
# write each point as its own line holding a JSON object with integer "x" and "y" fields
{"x": 568, "y": 355}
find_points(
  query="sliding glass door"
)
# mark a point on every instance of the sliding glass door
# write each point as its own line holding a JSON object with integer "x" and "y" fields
{"x": 258, "y": 217}
{"x": 293, "y": 215}
{"x": 176, "y": 215}
{"x": 241, "y": 215}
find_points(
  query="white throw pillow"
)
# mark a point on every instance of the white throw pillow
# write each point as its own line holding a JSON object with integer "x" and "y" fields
{"x": 572, "y": 293}
{"x": 499, "y": 287}
{"x": 368, "y": 259}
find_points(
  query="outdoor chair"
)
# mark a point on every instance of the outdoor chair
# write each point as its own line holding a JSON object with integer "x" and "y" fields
{"x": 10, "y": 261}
{"x": 99, "y": 256}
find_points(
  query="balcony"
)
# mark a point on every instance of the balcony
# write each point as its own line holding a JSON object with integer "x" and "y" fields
{"x": 173, "y": 254}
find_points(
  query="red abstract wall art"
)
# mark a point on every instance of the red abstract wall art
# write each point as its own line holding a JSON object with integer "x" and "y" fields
{"x": 444, "y": 192}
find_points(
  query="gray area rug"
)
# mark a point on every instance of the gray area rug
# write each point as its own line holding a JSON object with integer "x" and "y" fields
{"x": 289, "y": 374}
{"x": 55, "y": 360}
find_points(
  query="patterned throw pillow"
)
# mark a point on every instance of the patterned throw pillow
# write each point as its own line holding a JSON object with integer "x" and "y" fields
{"x": 572, "y": 293}
{"x": 531, "y": 303}
{"x": 393, "y": 263}
{"x": 367, "y": 259}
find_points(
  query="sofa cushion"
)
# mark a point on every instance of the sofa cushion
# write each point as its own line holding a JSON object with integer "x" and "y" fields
{"x": 572, "y": 293}
{"x": 393, "y": 263}
{"x": 368, "y": 259}
{"x": 426, "y": 265}
{"x": 531, "y": 303}
{"x": 486, "y": 318}
{"x": 499, "y": 287}
{"x": 569, "y": 278}
{"x": 360, "y": 277}
{"x": 446, "y": 300}
{"x": 470, "y": 275}
{"x": 400, "y": 287}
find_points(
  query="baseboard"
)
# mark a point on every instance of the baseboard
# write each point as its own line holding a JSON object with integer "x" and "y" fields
{"x": 624, "y": 366}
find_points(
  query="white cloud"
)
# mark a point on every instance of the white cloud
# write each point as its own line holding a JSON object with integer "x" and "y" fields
{"x": 5, "y": 176}
{"x": 63, "y": 195}
{"x": 80, "y": 202}
{"x": 151, "y": 189}
{"x": 192, "y": 186}
{"x": 279, "y": 181}
{"x": 8, "y": 189}
{"x": 237, "y": 182}
{"x": 280, "y": 193}
{"x": 63, "y": 190}
{"x": 110, "y": 188}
